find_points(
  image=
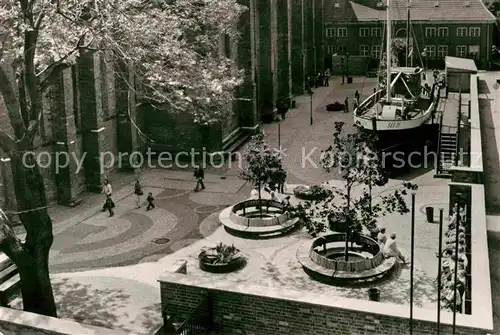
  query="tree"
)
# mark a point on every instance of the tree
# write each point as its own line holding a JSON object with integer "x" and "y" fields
{"x": 173, "y": 47}
{"x": 357, "y": 161}
{"x": 263, "y": 165}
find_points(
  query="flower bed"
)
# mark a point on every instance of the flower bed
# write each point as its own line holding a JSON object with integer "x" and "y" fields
{"x": 448, "y": 263}
{"x": 221, "y": 259}
{"x": 313, "y": 193}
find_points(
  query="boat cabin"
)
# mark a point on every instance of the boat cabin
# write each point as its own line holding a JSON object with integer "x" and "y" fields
{"x": 411, "y": 80}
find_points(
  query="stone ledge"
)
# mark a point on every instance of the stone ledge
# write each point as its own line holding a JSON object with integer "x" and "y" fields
{"x": 20, "y": 322}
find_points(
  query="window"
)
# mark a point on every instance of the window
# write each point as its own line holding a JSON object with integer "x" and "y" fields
{"x": 341, "y": 49}
{"x": 443, "y": 31}
{"x": 376, "y": 32}
{"x": 331, "y": 49}
{"x": 376, "y": 51}
{"x": 363, "y": 32}
{"x": 330, "y": 32}
{"x": 461, "y": 32}
{"x": 430, "y": 51}
{"x": 342, "y": 32}
{"x": 474, "y": 32}
{"x": 442, "y": 51}
{"x": 474, "y": 51}
{"x": 461, "y": 51}
{"x": 364, "y": 50}
{"x": 430, "y": 32}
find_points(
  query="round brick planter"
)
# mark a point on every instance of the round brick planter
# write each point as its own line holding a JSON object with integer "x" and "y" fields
{"x": 233, "y": 265}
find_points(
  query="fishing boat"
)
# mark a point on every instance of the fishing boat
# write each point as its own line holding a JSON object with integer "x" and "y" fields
{"x": 406, "y": 105}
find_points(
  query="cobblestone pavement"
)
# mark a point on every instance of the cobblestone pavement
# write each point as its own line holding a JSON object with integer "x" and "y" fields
{"x": 300, "y": 140}
{"x": 90, "y": 238}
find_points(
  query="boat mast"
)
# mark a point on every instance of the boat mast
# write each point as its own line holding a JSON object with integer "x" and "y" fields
{"x": 388, "y": 51}
{"x": 408, "y": 35}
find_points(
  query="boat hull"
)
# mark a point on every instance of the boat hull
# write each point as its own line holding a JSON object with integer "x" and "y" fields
{"x": 393, "y": 125}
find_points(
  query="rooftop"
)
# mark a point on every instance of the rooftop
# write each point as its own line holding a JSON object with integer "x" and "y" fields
{"x": 421, "y": 10}
{"x": 460, "y": 64}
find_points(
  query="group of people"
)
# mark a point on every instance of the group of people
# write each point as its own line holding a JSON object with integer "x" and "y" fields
{"x": 355, "y": 102}
{"x": 389, "y": 246}
{"x": 109, "y": 204}
{"x": 450, "y": 261}
{"x": 321, "y": 79}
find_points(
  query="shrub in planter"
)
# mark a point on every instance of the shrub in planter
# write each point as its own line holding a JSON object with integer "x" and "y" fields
{"x": 221, "y": 258}
{"x": 313, "y": 193}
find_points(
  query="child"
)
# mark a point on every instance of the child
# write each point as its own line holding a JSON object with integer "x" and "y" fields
{"x": 151, "y": 201}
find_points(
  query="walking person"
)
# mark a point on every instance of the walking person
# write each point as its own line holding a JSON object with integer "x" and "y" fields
{"x": 357, "y": 96}
{"x": 327, "y": 78}
{"x": 151, "y": 201}
{"x": 138, "y": 193}
{"x": 354, "y": 103}
{"x": 109, "y": 205}
{"x": 346, "y": 105}
{"x": 199, "y": 174}
{"x": 106, "y": 190}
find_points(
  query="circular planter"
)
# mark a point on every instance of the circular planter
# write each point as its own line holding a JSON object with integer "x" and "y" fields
{"x": 313, "y": 193}
{"x": 233, "y": 265}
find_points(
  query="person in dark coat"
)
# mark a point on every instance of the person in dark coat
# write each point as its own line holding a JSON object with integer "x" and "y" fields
{"x": 109, "y": 205}
{"x": 357, "y": 95}
{"x": 199, "y": 174}
{"x": 346, "y": 105}
{"x": 151, "y": 201}
{"x": 326, "y": 78}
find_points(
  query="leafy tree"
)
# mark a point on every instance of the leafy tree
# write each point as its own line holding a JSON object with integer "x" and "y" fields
{"x": 263, "y": 165}
{"x": 355, "y": 158}
{"x": 173, "y": 47}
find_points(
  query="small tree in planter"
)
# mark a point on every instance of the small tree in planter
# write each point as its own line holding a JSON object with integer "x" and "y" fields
{"x": 263, "y": 165}
{"x": 354, "y": 156}
{"x": 221, "y": 258}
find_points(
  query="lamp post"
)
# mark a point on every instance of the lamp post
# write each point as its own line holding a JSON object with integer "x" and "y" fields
{"x": 278, "y": 120}
{"x": 347, "y": 66}
{"x": 342, "y": 68}
{"x": 310, "y": 107}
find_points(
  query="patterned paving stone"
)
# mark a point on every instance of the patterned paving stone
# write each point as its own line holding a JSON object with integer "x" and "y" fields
{"x": 210, "y": 224}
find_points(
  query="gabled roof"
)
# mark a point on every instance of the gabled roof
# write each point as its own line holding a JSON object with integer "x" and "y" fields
{"x": 420, "y": 10}
{"x": 464, "y": 64}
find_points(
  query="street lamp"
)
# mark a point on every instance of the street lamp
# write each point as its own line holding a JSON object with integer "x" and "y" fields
{"x": 278, "y": 120}
{"x": 347, "y": 66}
{"x": 310, "y": 106}
{"x": 342, "y": 68}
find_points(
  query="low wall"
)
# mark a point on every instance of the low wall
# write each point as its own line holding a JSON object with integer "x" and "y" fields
{"x": 14, "y": 322}
{"x": 239, "y": 308}
{"x": 473, "y": 173}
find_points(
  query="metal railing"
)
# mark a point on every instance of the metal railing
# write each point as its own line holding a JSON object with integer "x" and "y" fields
{"x": 200, "y": 321}
{"x": 440, "y": 130}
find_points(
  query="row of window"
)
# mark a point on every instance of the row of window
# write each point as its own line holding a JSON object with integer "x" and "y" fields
{"x": 462, "y": 51}
{"x": 429, "y": 32}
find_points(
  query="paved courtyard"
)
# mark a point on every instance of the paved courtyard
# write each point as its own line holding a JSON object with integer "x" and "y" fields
{"x": 105, "y": 269}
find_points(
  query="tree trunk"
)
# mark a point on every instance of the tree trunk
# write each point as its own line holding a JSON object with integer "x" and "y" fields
{"x": 348, "y": 224}
{"x": 33, "y": 264}
{"x": 260, "y": 200}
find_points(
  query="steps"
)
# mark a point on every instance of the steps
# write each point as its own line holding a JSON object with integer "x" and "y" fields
{"x": 233, "y": 142}
{"x": 10, "y": 282}
{"x": 447, "y": 153}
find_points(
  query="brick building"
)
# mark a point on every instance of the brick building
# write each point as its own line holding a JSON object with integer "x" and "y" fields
{"x": 459, "y": 28}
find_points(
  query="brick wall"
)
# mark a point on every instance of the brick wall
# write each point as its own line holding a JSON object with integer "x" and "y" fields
{"x": 451, "y": 41}
{"x": 236, "y": 312}
{"x": 297, "y": 57}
